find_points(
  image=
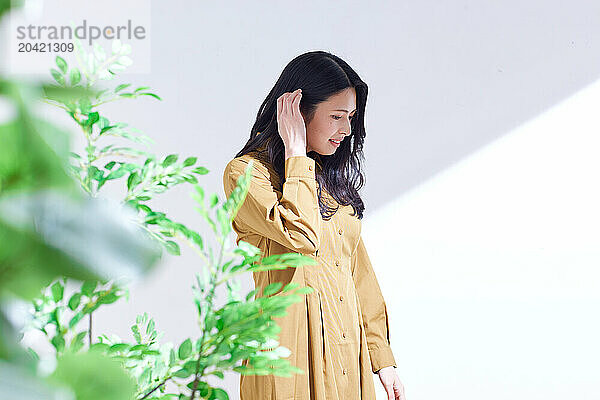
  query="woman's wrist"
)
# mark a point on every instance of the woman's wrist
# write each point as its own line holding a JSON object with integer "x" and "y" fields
{"x": 295, "y": 152}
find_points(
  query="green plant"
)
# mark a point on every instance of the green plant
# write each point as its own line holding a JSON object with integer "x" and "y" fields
{"x": 242, "y": 328}
{"x": 42, "y": 214}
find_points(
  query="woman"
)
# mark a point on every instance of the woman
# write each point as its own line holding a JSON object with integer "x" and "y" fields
{"x": 306, "y": 145}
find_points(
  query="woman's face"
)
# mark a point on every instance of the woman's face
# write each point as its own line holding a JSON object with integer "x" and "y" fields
{"x": 331, "y": 121}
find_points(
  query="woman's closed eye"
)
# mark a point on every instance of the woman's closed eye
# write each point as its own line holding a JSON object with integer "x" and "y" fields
{"x": 336, "y": 117}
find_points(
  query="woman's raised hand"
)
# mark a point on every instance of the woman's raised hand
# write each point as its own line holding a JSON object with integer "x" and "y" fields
{"x": 290, "y": 123}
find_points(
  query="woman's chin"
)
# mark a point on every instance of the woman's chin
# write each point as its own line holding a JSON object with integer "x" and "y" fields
{"x": 327, "y": 150}
{"x": 325, "y": 153}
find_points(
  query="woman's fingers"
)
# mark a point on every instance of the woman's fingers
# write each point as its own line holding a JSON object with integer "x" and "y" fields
{"x": 290, "y": 123}
{"x": 290, "y": 100}
{"x": 296, "y": 103}
{"x": 288, "y": 103}
{"x": 279, "y": 106}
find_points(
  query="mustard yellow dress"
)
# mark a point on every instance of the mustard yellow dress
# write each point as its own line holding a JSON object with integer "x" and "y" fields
{"x": 340, "y": 334}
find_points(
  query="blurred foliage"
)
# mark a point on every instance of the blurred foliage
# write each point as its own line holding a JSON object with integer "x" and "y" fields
{"x": 48, "y": 231}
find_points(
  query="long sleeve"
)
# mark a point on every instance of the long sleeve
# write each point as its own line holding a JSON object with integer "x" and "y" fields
{"x": 290, "y": 217}
{"x": 373, "y": 309}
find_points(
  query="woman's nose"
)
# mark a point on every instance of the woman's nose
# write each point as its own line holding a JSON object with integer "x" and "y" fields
{"x": 346, "y": 129}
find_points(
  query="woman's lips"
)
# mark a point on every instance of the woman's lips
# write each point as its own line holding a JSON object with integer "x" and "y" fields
{"x": 334, "y": 143}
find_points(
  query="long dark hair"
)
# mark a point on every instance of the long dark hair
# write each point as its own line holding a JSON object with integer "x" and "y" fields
{"x": 319, "y": 74}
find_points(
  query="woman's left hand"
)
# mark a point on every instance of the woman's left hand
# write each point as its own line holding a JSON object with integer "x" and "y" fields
{"x": 391, "y": 382}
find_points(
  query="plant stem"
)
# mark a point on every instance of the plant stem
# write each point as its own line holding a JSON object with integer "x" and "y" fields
{"x": 155, "y": 388}
{"x": 90, "y": 329}
{"x": 56, "y": 105}
{"x": 118, "y": 97}
{"x": 210, "y": 296}
{"x": 194, "y": 247}
{"x": 89, "y": 160}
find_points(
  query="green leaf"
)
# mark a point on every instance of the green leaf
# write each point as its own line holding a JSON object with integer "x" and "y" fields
{"x": 250, "y": 294}
{"x": 185, "y": 349}
{"x": 190, "y": 161}
{"x": 151, "y": 94}
{"x": 196, "y": 238}
{"x": 95, "y": 173}
{"x": 200, "y": 171}
{"x": 57, "y": 292}
{"x": 117, "y": 174}
{"x": 103, "y": 122}
{"x": 170, "y": 159}
{"x": 76, "y": 318}
{"x": 150, "y": 327}
{"x": 290, "y": 286}
{"x": 58, "y": 342}
{"x": 136, "y": 333}
{"x": 99, "y": 347}
{"x": 219, "y": 374}
{"x": 74, "y": 301}
{"x": 190, "y": 178}
{"x": 130, "y": 167}
{"x": 219, "y": 394}
{"x": 304, "y": 290}
{"x": 85, "y": 105}
{"x": 75, "y": 76}
{"x": 94, "y": 376}
{"x": 272, "y": 288}
{"x": 182, "y": 373}
{"x": 109, "y": 298}
{"x": 58, "y": 77}
{"x": 105, "y": 129}
{"x": 110, "y": 165}
{"x": 118, "y": 347}
{"x": 214, "y": 200}
{"x": 154, "y": 217}
{"x": 133, "y": 180}
{"x": 144, "y": 207}
{"x": 172, "y": 247}
{"x": 138, "y": 347}
{"x": 122, "y": 86}
{"x": 62, "y": 64}
{"x": 172, "y": 358}
{"x": 199, "y": 195}
{"x": 77, "y": 342}
{"x": 93, "y": 117}
{"x": 88, "y": 288}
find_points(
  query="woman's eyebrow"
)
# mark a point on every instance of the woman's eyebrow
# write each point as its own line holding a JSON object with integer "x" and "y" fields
{"x": 344, "y": 110}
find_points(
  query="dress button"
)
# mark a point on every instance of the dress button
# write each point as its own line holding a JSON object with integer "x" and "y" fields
{"x": 310, "y": 167}
{"x": 340, "y": 231}
{"x": 344, "y": 371}
{"x": 344, "y": 335}
{"x": 341, "y": 298}
{"x": 337, "y": 263}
